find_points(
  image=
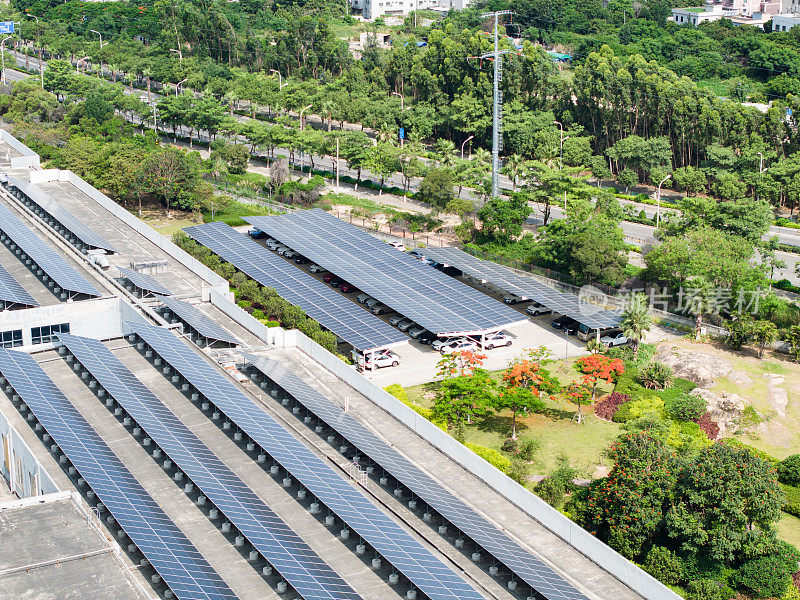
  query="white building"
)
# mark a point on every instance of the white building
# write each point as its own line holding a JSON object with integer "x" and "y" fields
{"x": 696, "y": 15}
{"x": 373, "y": 9}
{"x": 790, "y": 7}
{"x": 785, "y": 22}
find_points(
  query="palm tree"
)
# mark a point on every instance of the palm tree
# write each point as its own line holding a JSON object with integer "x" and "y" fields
{"x": 512, "y": 169}
{"x": 482, "y": 156}
{"x": 636, "y": 320}
{"x": 326, "y": 108}
{"x": 764, "y": 333}
{"x": 700, "y": 300}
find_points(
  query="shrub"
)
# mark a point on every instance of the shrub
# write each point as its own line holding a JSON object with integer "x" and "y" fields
{"x": 765, "y": 577}
{"x": 734, "y": 443}
{"x": 623, "y": 414}
{"x": 709, "y": 426}
{"x": 650, "y": 405}
{"x": 608, "y": 406}
{"x": 626, "y": 384}
{"x": 492, "y": 456}
{"x": 398, "y": 391}
{"x": 792, "y": 503}
{"x": 664, "y": 565}
{"x": 788, "y": 554}
{"x": 655, "y": 375}
{"x": 686, "y": 407}
{"x": 708, "y": 589}
{"x": 553, "y": 488}
{"x": 789, "y": 470}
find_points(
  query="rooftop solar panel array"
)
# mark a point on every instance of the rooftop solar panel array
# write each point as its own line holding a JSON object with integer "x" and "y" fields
{"x": 534, "y": 571}
{"x": 143, "y": 281}
{"x": 198, "y": 321}
{"x": 288, "y": 554}
{"x": 165, "y": 546}
{"x": 430, "y": 298}
{"x": 43, "y": 255}
{"x": 12, "y": 292}
{"x": 351, "y": 322}
{"x": 560, "y": 302}
{"x": 67, "y": 220}
{"x": 390, "y": 540}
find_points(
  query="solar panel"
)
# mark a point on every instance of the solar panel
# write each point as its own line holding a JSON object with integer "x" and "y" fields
{"x": 288, "y": 554}
{"x": 430, "y": 298}
{"x": 390, "y": 540}
{"x": 12, "y": 292}
{"x": 198, "y": 321}
{"x": 351, "y": 322}
{"x": 561, "y": 302}
{"x": 531, "y": 569}
{"x": 43, "y": 255}
{"x": 162, "y": 543}
{"x": 61, "y": 215}
{"x": 144, "y": 281}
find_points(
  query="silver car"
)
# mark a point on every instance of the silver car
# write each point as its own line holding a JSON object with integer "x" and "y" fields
{"x": 394, "y": 320}
{"x": 415, "y": 331}
{"x": 362, "y": 298}
{"x": 405, "y": 324}
{"x": 371, "y": 303}
{"x": 315, "y": 268}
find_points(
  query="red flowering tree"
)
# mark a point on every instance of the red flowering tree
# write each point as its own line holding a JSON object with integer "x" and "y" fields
{"x": 525, "y": 383}
{"x": 577, "y": 393}
{"x": 598, "y": 367}
{"x": 463, "y": 362}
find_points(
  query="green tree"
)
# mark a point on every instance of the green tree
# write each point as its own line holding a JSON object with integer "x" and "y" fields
{"x": 764, "y": 333}
{"x": 437, "y": 187}
{"x": 503, "y": 219}
{"x": 636, "y": 320}
{"x": 726, "y": 503}
{"x": 461, "y": 398}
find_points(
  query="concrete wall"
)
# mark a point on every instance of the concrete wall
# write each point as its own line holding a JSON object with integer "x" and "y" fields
{"x": 99, "y": 318}
{"x": 29, "y": 158}
{"x": 20, "y": 468}
{"x": 210, "y": 277}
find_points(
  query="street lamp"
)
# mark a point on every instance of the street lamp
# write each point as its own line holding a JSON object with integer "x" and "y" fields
{"x": 3, "y": 57}
{"x": 760, "y": 163}
{"x": 78, "y": 64}
{"x": 179, "y": 85}
{"x": 179, "y": 53}
{"x": 561, "y": 152}
{"x": 302, "y": 123}
{"x": 462, "y": 145}
{"x": 401, "y": 99}
{"x": 101, "y": 37}
{"x": 280, "y": 79}
{"x": 658, "y": 209}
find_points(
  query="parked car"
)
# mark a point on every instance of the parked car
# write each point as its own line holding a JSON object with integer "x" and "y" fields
{"x": 273, "y": 244}
{"x": 610, "y": 341}
{"x": 348, "y": 288}
{"x": 362, "y": 298}
{"x": 415, "y": 331}
{"x": 562, "y": 322}
{"x": 331, "y": 278}
{"x": 371, "y": 302}
{"x": 315, "y": 268}
{"x": 448, "y": 270}
{"x": 514, "y": 299}
{"x": 380, "y": 309}
{"x": 405, "y": 324}
{"x": 382, "y": 358}
{"x": 256, "y": 233}
{"x": 422, "y": 257}
{"x": 459, "y": 346}
{"x": 395, "y": 319}
{"x": 300, "y": 259}
{"x": 493, "y": 340}
{"x": 439, "y": 343}
{"x": 399, "y": 245}
{"x": 426, "y": 338}
{"x": 537, "y": 309}
{"x": 289, "y": 253}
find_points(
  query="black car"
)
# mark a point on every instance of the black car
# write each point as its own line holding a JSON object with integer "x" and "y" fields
{"x": 563, "y": 323}
{"x": 301, "y": 260}
{"x": 426, "y": 338}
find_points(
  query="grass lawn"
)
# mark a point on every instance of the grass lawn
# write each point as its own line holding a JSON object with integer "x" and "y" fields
{"x": 554, "y": 429}
{"x": 789, "y": 529}
{"x": 232, "y": 213}
{"x": 167, "y": 226}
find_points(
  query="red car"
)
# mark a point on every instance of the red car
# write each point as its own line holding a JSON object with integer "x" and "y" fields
{"x": 332, "y": 279}
{"x": 348, "y": 288}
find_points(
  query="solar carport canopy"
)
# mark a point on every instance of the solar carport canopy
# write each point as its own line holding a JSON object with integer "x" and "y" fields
{"x": 527, "y": 287}
{"x": 12, "y": 292}
{"x": 69, "y": 221}
{"x": 59, "y": 270}
{"x": 425, "y": 295}
{"x": 328, "y": 307}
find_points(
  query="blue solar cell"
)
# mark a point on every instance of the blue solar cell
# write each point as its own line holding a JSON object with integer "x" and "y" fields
{"x": 61, "y": 215}
{"x": 288, "y": 554}
{"x": 12, "y": 292}
{"x": 143, "y": 281}
{"x": 562, "y": 303}
{"x": 528, "y": 567}
{"x": 402, "y": 550}
{"x": 198, "y": 321}
{"x": 428, "y": 297}
{"x": 165, "y": 546}
{"x": 43, "y": 255}
{"x": 348, "y": 320}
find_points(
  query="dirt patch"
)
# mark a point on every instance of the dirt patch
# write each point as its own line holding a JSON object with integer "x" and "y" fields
{"x": 699, "y": 367}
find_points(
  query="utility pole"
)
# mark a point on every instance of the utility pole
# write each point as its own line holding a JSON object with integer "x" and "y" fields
{"x": 497, "y": 100}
